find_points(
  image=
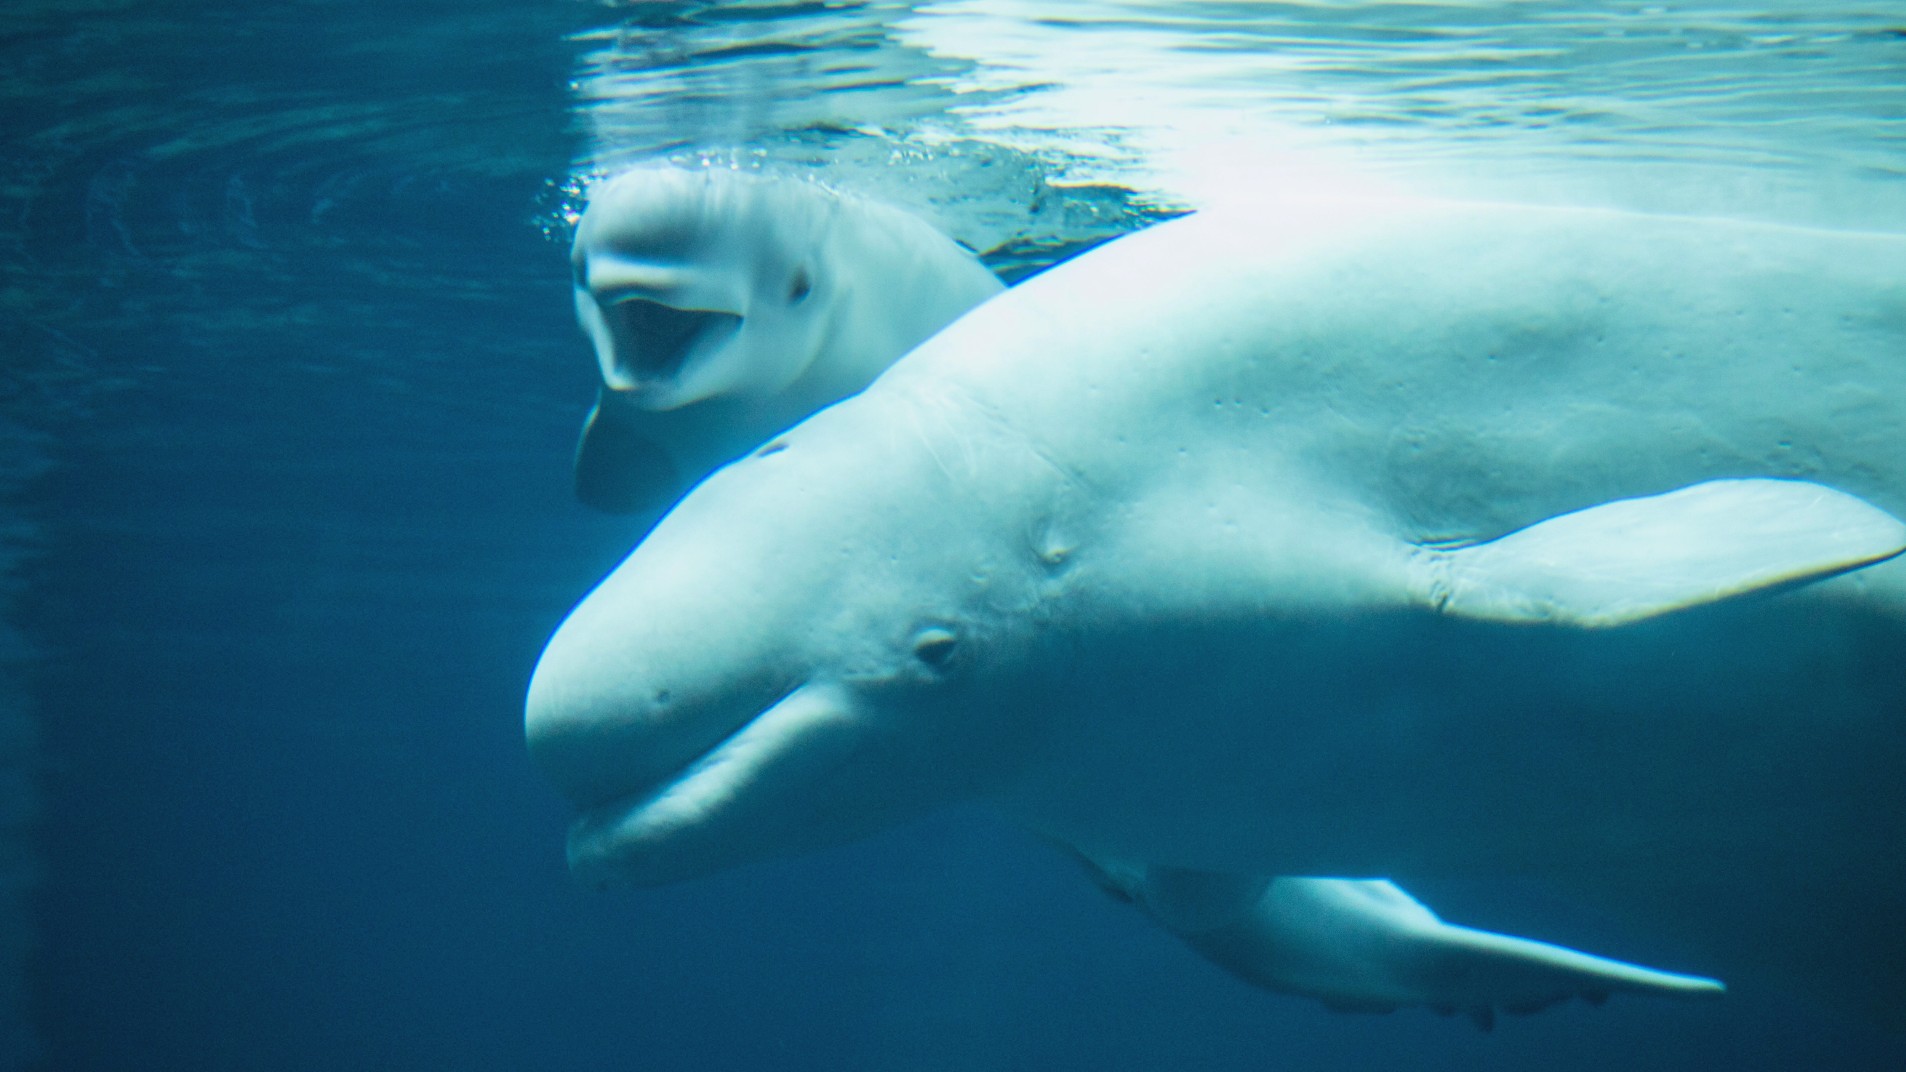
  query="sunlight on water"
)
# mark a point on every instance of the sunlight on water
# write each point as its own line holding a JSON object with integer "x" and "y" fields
{"x": 1708, "y": 108}
{"x": 1549, "y": 86}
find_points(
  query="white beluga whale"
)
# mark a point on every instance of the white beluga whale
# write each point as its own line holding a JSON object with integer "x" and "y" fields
{"x": 1361, "y": 539}
{"x": 724, "y": 306}
{"x": 1406, "y": 956}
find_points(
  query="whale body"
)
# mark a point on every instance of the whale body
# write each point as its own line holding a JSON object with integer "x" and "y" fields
{"x": 1361, "y": 538}
{"x": 724, "y": 306}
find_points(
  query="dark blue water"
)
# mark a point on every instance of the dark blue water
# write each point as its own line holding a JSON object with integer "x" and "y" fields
{"x": 290, "y": 386}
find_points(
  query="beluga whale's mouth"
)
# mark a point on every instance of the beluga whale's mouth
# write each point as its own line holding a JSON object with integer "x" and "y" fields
{"x": 654, "y": 341}
{"x": 691, "y": 805}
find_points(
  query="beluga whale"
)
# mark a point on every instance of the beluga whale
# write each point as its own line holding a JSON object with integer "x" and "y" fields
{"x": 1291, "y": 933}
{"x": 1378, "y": 539}
{"x": 724, "y": 306}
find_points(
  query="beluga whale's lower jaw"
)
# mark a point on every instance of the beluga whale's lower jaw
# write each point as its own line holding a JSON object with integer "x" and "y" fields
{"x": 654, "y": 349}
{"x": 739, "y": 799}
{"x": 1399, "y": 539}
{"x": 812, "y": 769}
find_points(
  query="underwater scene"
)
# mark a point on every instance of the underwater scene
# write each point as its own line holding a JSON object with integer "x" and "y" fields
{"x": 953, "y": 536}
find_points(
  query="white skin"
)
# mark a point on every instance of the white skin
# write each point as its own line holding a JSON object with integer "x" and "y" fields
{"x": 725, "y": 306}
{"x": 1161, "y": 551}
{"x": 1367, "y": 946}
{"x": 720, "y": 303}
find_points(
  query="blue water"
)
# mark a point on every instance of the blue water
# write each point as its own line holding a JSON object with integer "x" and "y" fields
{"x": 288, "y": 391}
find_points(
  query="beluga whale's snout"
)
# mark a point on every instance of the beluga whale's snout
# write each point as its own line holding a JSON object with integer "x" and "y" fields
{"x": 640, "y": 709}
{"x": 657, "y": 760}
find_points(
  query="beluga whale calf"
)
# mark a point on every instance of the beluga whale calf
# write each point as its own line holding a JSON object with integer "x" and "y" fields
{"x": 1373, "y": 539}
{"x": 724, "y": 306}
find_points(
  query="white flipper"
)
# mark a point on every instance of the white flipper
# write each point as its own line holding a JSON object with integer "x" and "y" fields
{"x": 1631, "y": 559}
{"x": 1367, "y": 946}
{"x": 620, "y": 468}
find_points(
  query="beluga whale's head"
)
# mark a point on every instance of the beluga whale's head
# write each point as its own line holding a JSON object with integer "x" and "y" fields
{"x": 695, "y": 285}
{"x": 792, "y": 657}
{"x": 725, "y": 306}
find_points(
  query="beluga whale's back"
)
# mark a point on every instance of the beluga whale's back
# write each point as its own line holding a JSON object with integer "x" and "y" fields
{"x": 1363, "y": 538}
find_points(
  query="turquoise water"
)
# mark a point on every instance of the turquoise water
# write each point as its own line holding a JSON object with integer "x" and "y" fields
{"x": 289, "y": 390}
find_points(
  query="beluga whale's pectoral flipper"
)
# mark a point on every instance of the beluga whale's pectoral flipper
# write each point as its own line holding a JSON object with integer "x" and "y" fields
{"x": 1631, "y": 559}
{"x": 618, "y": 464}
{"x": 1365, "y": 945}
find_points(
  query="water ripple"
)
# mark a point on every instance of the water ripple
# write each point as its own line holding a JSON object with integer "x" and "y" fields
{"x": 194, "y": 174}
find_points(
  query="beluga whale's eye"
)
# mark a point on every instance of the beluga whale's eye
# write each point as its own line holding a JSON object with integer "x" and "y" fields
{"x": 934, "y": 645}
{"x": 800, "y": 287}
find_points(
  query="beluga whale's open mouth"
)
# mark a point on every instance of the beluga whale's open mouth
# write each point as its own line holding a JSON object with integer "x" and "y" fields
{"x": 654, "y": 341}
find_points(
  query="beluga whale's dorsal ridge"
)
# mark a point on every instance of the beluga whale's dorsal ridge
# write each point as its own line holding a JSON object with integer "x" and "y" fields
{"x": 1349, "y": 495}
{"x": 724, "y": 306}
